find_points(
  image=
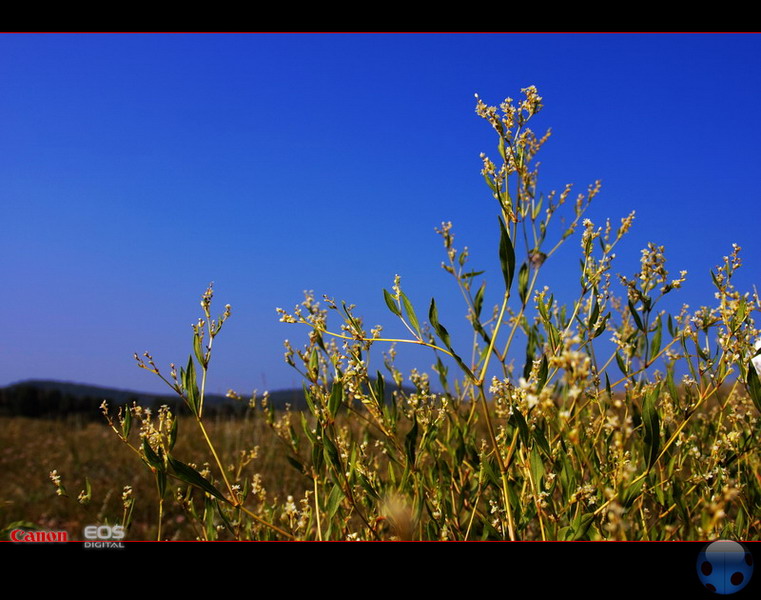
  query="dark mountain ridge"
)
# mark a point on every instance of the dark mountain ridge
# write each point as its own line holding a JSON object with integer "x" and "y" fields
{"x": 52, "y": 399}
{"x": 41, "y": 398}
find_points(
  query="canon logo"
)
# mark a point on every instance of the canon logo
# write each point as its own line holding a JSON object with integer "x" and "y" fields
{"x": 39, "y": 537}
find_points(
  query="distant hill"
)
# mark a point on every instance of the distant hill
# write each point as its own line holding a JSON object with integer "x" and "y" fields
{"x": 56, "y": 399}
{"x": 53, "y": 399}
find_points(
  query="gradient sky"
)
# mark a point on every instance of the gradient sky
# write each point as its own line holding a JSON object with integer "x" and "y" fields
{"x": 136, "y": 169}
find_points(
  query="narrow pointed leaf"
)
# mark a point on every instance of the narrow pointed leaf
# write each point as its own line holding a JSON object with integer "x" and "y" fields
{"x": 295, "y": 464}
{"x": 391, "y": 303}
{"x": 537, "y": 468}
{"x": 410, "y": 442}
{"x": 506, "y": 255}
{"x": 541, "y": 441}
{"x": 152, "y": 458}
{"x": 191, "y": 387}
{"x": 127, "y": 423}
{"x": 651, "y": 422}
{"x": 478, "y": 301}
{"x": 635, "y": 316}
{"x": 380, "y": 390}
{"x": 410, "y": 312}
{"x": 197, "y": 348}
{"x": 601, "y": 329}
{"x": 542, "y": 375}
{"x": 754, "y": 385}
{"x": 523, "y": 283}
{"x": 620, "y": 363}
{"x": 440, "y": 330}
{"x": 655, "y": 348}
{"x": 189, "y": 475}
{"x": 173, "y": 433}
{"x": 334, "y": 501}
{"x": 595, "y": 314}
{"x": 336, "y": 395}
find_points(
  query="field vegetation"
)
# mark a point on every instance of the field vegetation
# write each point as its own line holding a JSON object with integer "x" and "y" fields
{"x": 623, "y": 422}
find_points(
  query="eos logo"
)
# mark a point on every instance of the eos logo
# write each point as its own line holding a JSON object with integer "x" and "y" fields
{"x": 104, "y": 532}
{"x": 105, "y": 536}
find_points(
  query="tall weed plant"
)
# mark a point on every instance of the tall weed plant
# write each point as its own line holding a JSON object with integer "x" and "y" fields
{"x": 624, "y": 422}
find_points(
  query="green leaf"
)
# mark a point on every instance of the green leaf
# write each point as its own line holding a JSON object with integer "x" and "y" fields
{"x": 410, "y": 442}
{"x": 541, "y": 441}
{"x": 580, "y": 529}
{"x": 651, "y": 422}
{"x": 331, "y": 452}
{"x": 318, "y": 339}
{"x": 173, "y": 433}
{"x": 88, "y": 492}
{"x": 523, "y": 283}
{"x": 620, "y": 363}
{"x": 601, "y": 329}
{"x": 189, "y": 475}
{"x": 478, "y": 302}
{"x": 490, "y": 183}
{"x": 542, "y": 375}
{"x": 380, "y": 390}
{"x": 463, "y": 366}
{"x": 334, "y": 501}
{"x": 502, "y": 149}
{"x": 518, "y": 419}
{"x": 197, "y": 348}
{"x": 318, "y": 457}
{"x": 655, "y": 348}
{"x": 630, "y": 494}
{"x": 490, "y": 471}
{"x": 754, "y": 385}
{"x": 336, "y": 395}
{"x": 410, "y": 313}
{"x": 350, "y": 318}
{"x": 442, "y": 371}
{"x": 367, "y": 486}
{"x": 152, "y": 458}
{"x": 161, "y": 482}
{"x": 635, "y": 316}
{"x": 537, "y": 468}
{"x": 208, "y": 516}
{"x": 295, "y": 464}
{"x": 127, "y": 423}
{"x": 308, "y": 430}
{"x": 595, "y": 314}
{"x": 506, "y": 255}
{"x": 672, "y": 328}
{"x": 224, "y": 518}
{"x": 314, "y": 361}
{"x": 537, "y": 208}
{"x": 191, "y": 387}
{"x": 433, "y": 317}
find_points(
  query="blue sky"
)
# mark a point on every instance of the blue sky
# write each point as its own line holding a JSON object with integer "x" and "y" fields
{"x": 136, "y": 169}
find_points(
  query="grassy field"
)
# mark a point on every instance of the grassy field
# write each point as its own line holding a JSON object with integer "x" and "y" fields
{"x": 32, "y": 448}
